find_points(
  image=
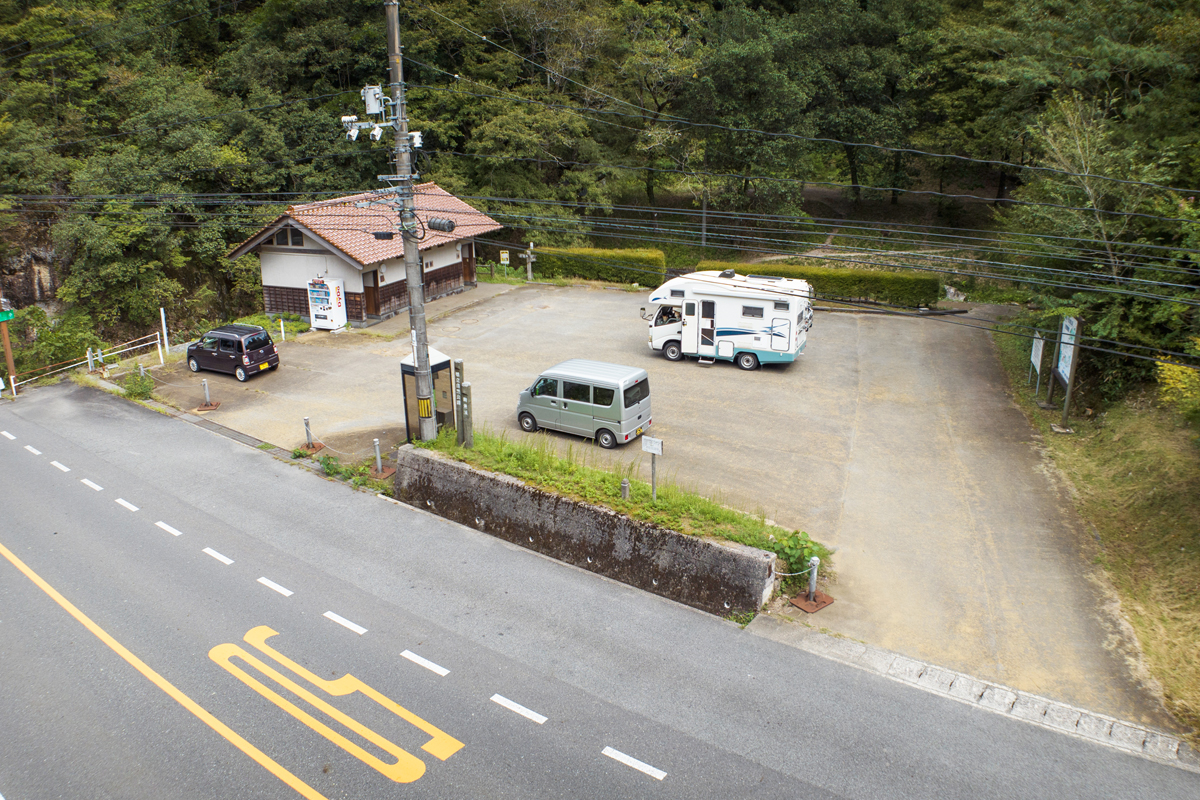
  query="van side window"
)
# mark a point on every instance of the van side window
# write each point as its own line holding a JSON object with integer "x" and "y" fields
{"x": 227, "y": 345}
{"x": 637, "y": 393}
{"x": 602, "y": 397}
{"x": 545, "y": 387}
{"x": 781, "y": 305}
{"x": 579, "y": 392}
{"x": 752, "y": 311}
{"x": 209, "y": 343}
{"x": 689, "y": 309}
{"x": 677, "y": 293}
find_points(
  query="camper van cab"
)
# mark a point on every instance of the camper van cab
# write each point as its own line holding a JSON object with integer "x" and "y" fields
{"x": 607, "y": 402}
{"x": 722, "y": 316}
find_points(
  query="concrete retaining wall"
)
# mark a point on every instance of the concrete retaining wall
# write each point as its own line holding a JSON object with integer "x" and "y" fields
{"x": 718, "y": 577}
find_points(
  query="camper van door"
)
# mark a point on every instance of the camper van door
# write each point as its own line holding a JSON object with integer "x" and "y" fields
{"x": 691, "y": 327}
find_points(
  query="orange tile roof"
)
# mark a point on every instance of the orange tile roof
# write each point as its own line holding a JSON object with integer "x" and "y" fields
{"x": 352, "y": 230}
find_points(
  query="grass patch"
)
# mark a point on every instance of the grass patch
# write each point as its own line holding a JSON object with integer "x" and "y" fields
{"x": 1136, "y": 468}
{"x": 354, "y": 474}
{"x": 538, "y": 464}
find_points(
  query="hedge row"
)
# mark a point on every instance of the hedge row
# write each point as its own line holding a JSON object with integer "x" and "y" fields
{"x": 647, "y": 267}
{"x": 910, "y": 289}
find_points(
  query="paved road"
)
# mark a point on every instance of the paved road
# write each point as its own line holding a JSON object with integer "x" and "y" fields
{"x": 721, "y": 712}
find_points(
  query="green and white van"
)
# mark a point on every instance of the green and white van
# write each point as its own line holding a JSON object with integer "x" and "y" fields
{"x": 606, "y": 402}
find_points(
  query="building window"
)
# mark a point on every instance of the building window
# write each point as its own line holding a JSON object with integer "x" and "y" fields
{"x": 281, "y": 237}
{"x": 297, "y": 238}
{"x": 289, "y": 237}
{"x": 752, "y": 311}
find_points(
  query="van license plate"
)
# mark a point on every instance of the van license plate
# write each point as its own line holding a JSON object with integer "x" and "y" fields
{"x": 638, "y": 432}
{"x": 263, "y": 366}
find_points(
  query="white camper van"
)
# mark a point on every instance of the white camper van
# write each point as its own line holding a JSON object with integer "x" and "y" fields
{"x": 722, "y": 316}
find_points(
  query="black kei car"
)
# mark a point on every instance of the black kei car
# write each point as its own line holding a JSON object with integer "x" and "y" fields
{"x": 241, "y": 350}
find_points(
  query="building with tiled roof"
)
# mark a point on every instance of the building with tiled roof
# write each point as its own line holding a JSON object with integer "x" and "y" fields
{"x": 337, "y": 240}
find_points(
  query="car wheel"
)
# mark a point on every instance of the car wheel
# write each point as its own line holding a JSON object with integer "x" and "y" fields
{"x": 193, "y": 365}
{"x": 672, "y": 351}
{"x": 528, "y": 423}
{"x": 747, "y": 360}
{"x": 606, "y": 439}
{"x": 240, "y": 374}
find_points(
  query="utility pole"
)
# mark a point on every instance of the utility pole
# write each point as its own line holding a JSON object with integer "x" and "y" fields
{"x": 413, "y": 272}
{"x": 411, "y": 228}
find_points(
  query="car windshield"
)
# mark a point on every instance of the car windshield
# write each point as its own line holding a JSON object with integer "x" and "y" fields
{"x": 258, "y": 340}
{"x": 637, "y": 393}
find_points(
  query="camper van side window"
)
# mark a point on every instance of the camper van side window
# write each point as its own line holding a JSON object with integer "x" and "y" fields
{"x": 637, "y": 393}
{"x": 602, "y": 397}
{"x": 579, "y": 392}
{"x": 546, "y": 387}
{"x": 752, "y": 311}
{"x": 781, "y": 306}
{"x": 677, "y": 293}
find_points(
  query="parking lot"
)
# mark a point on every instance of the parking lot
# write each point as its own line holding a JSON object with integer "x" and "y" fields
{"x": 891, "y": 439}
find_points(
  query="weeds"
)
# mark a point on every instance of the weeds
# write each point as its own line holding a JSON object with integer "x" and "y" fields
{"x": 537, "y": 464}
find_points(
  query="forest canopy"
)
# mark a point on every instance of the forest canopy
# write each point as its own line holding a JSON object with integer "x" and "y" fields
{"x": 139, "y": 140}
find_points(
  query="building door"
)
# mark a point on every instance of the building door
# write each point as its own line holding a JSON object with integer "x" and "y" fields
{"x": 371, "y": 292}
{"x": 468, "y": 262}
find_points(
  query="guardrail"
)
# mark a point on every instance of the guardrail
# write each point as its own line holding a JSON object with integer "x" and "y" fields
{"x": 101, "y": 356}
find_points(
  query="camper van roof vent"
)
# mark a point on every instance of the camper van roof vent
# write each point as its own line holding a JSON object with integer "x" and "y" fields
{"x": 728, "y": 273}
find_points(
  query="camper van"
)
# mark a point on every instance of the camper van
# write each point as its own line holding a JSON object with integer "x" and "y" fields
{"x": 607, "y": 402}
{"x": 723, "y": 316}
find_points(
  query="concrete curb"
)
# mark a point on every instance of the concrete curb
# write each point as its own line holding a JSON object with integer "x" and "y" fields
{"x": 1128, "y": 737}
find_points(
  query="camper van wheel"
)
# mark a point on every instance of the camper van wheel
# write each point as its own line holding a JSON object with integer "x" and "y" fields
{"x": 672, "y": 351}
{"x": 528, "y": 423}
{"x": 747, "y": 360}
{"x": 606, "y": 439}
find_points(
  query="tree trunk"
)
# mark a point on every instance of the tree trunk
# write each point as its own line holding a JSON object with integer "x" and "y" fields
{"x": 852, "y": 162}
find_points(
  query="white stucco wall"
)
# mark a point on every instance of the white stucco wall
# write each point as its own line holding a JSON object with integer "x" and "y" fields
{"x": 442, "y": 256}
{"x": 284, "y": 267}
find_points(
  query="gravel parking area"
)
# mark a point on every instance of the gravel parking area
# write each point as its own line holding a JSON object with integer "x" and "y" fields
{"x": 892, "y": 440}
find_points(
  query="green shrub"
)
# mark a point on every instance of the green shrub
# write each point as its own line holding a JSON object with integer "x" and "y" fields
{"x": 911, "y": 289}
{"x": 646, "y": 266}
{"x": 138, "y": 387}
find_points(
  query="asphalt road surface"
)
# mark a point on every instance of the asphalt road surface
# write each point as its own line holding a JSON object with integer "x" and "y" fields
{"x": 184, "y": 616}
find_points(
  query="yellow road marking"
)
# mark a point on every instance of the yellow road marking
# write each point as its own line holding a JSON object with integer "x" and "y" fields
{"x": 407, "y": 767}
{"x": 162, "y": 683}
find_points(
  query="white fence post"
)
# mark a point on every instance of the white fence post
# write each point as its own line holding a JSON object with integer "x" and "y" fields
{"x": 163, "y": 313}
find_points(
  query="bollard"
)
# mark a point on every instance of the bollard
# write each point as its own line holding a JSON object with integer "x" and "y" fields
{"x": 91, "y": 363}
{"x": 378, "y": 459}
{"x": 142, "y": 367}
{"x": 308, "y": 433}
{"x": 813, "y": 564}
{"x": 624, "y": 488}
{"x": 282, "y": 332}
{"x": 207, "y": 399}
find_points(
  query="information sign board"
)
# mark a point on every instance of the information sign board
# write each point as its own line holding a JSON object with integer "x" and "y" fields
{"x": 652, "y": 445}
{"x": 1035, "y": 355}
{"x": 5, "y": 316}
{"x": 1067, "y": 347}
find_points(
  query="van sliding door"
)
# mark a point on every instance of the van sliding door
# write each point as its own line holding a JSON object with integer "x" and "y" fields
{"x": 691, "y": 327}
{"x": 708, "y": 325}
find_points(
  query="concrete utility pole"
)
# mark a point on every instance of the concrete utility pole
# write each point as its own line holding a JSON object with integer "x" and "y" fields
{"x": 413, "y": 272}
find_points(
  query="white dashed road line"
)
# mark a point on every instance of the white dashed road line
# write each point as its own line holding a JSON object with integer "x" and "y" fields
{"x": 88, "y": 483}
{"x": 218, "y": 556}
{"x": 126, "y": 504}
{"x": 60, "y": 466}
{"x": 517, "y": 707}
{"x": 7, "y": 435}
{"x": 33, "y": 450}
{"x": 359, "y": 629}
{"x": 630, "y": 761}
{"x": 168, "y": 528}
{"x": 426, "y": 663}
{"x": 273, "y": 585}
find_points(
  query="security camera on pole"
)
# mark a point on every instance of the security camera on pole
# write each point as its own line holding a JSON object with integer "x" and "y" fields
{"x": 408, "y": 224}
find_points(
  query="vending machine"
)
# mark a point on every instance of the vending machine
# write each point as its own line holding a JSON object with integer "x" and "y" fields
{"x": 326, "y": 304}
